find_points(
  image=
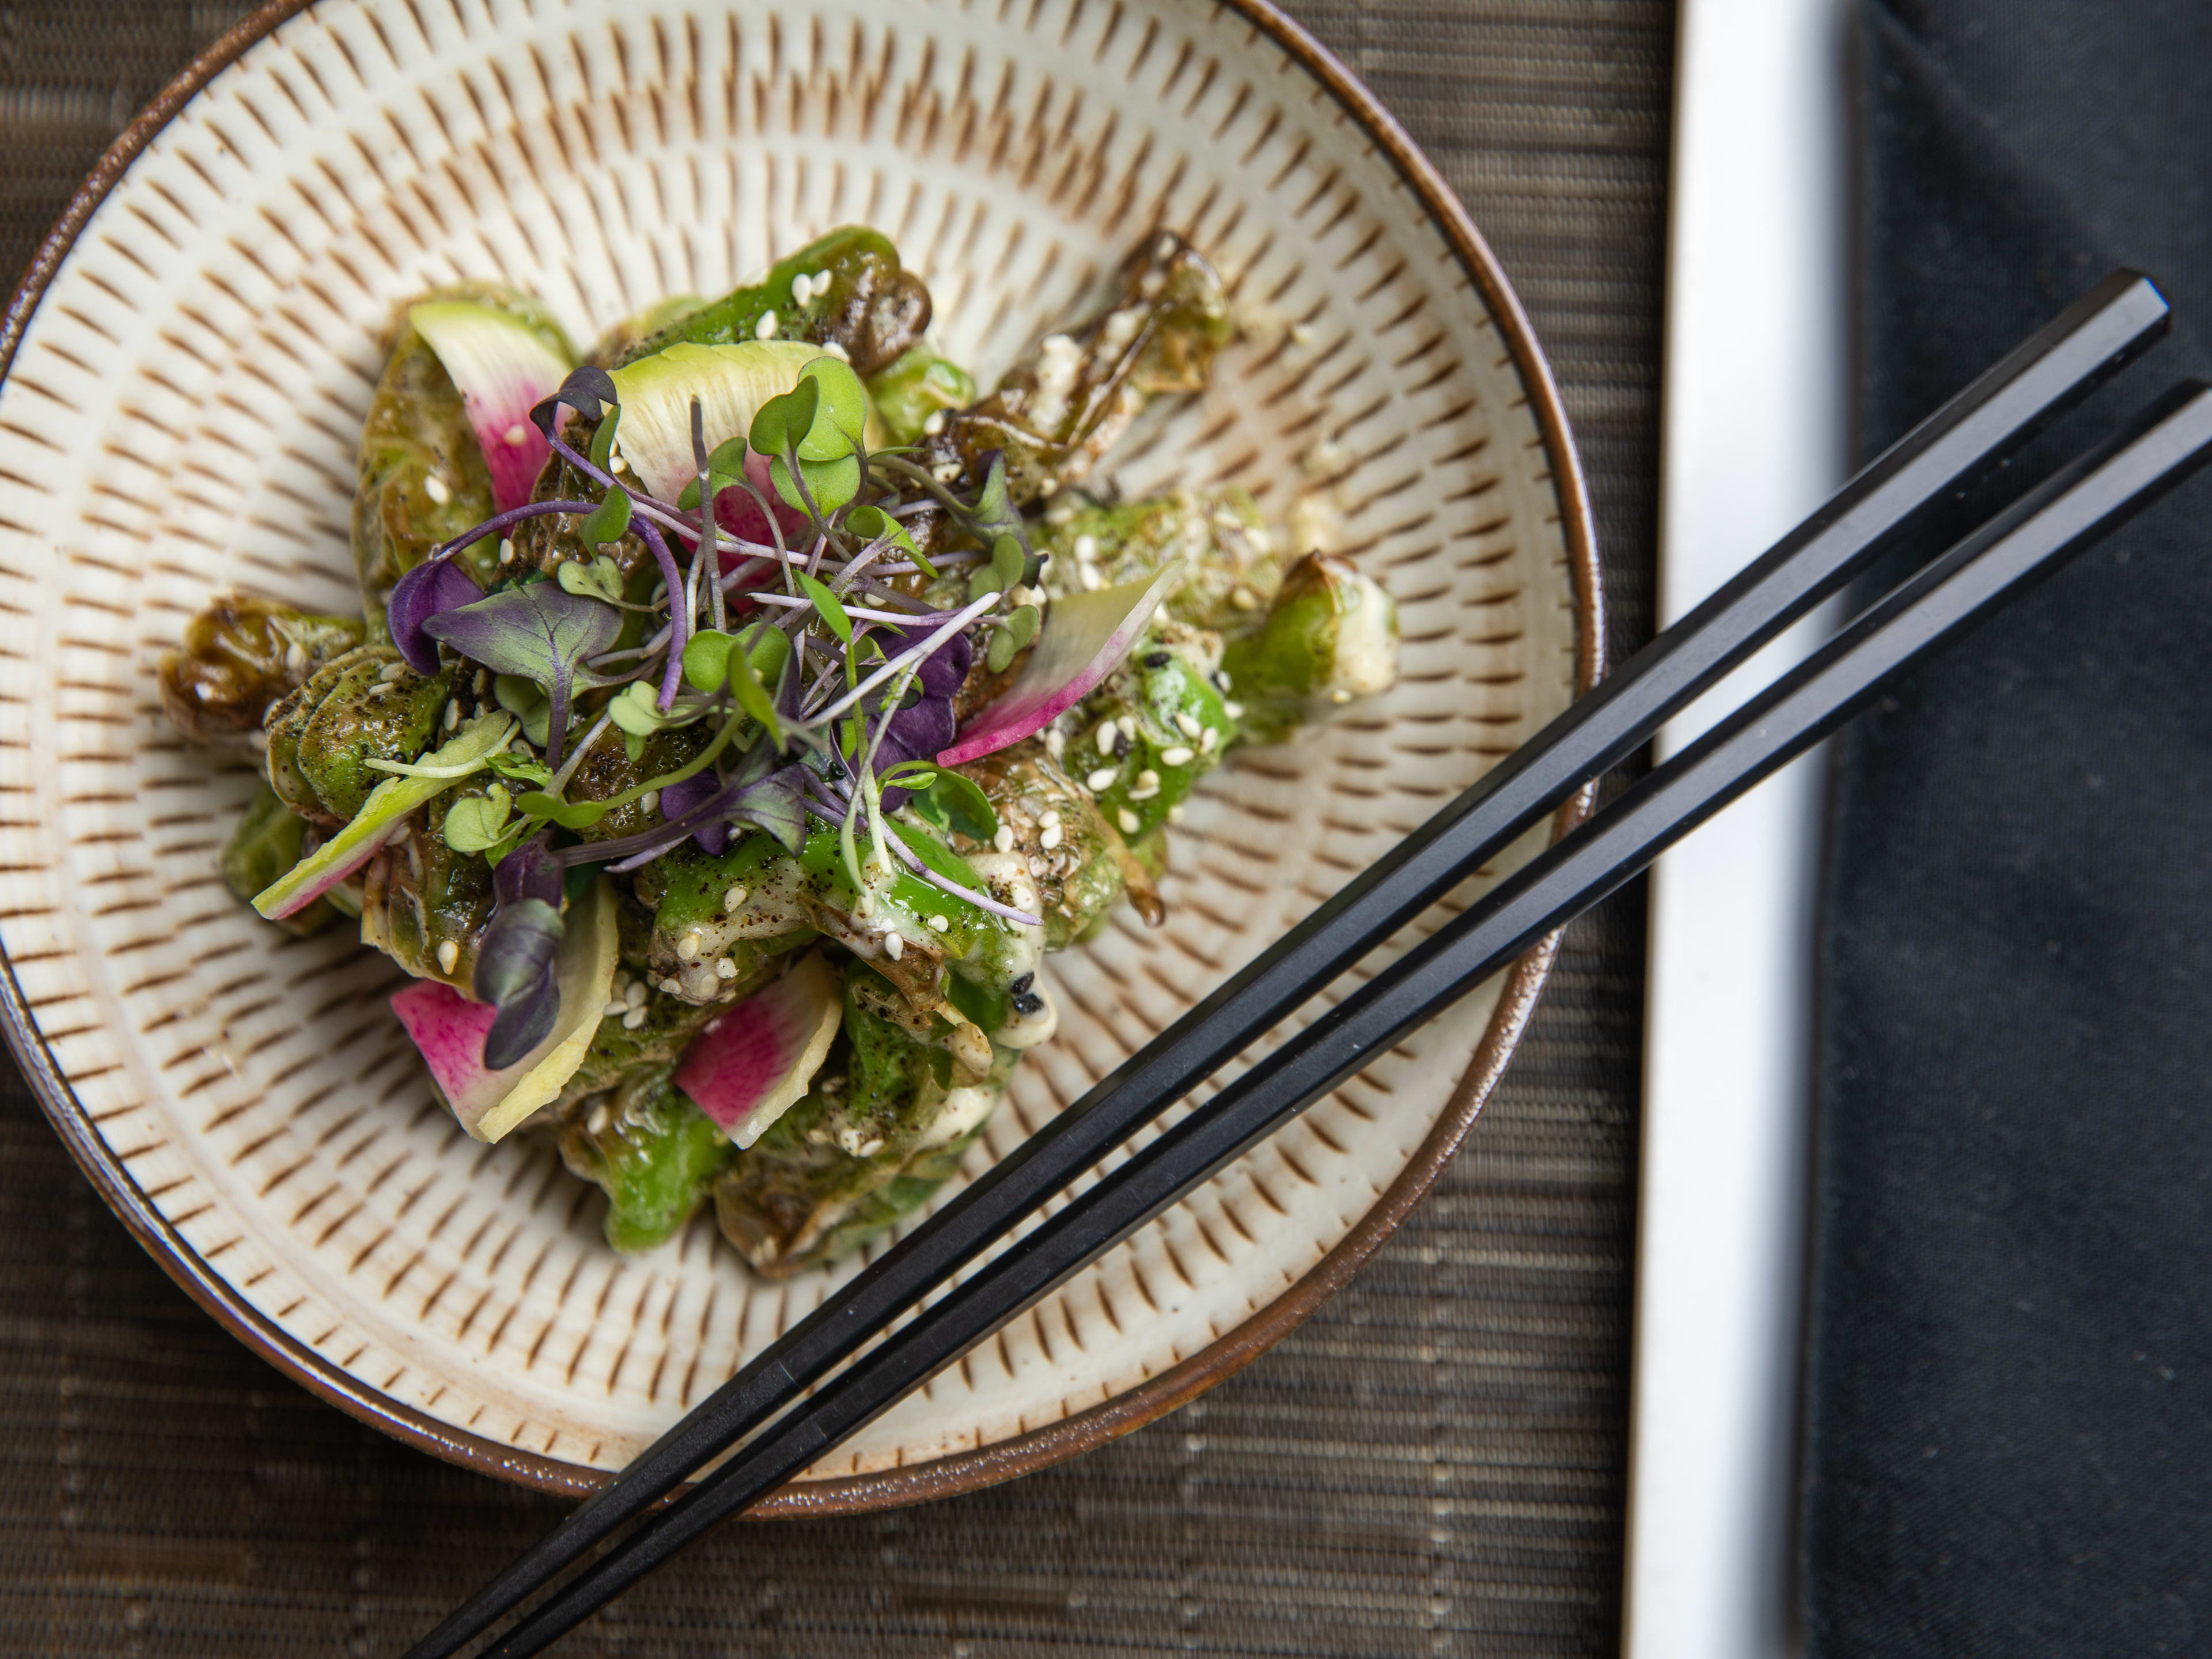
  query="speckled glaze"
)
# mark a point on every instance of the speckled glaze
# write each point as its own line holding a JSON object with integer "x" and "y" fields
{"x": 188, "y": 366}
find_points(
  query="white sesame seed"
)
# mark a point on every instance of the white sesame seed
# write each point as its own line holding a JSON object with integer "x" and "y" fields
{"x": 836, "y": 351}
{"x": 1055, "y": 743}
{"x": 733, "y": 898}
{"x": 482, "y": 679}
{"x": 452, "y": 712}
{"x": 1049, "y": 819}
{"x": 1049, "y": 839}
{"x": 449, "y": 955}
{"x": 506, "y": 550}
{"x": 622, "y": 982}
{"x": 935, "y": 425}
{"x": 689, "y": 946}
{"x": 1339, "y": 696}
{"x": 633, "y": 1019}
{"x": 517, "y": 434}
{"x": 1004, "y": 839}
{"x": 1085, "y": 548}
{"x": 1148, "y": 779}
{"x": 1129, "y": 725}
{"x": 295, "y": 657}
{"x": 1107, "y": 733}
{"x": 871, "y": 1146}
{"x": 597, "y": 1123}
{"x": 434, "y": 488}
{"x": 651, "y": 799}
{"x": 1207, "y": 738}
{"x": 616, "y": 1009}
{"x": 617, "y": 463}
{"x": 1102, "y": 778}
{"x": 1181, "y": 755}
{"x": 1188, "y": 724}
{"x": 1089, "y": 576}
{"x": 940, "y": 924}
{"x": 726, "y": 968}
{"x": 672, "y": 985}
{"x": 1244, "y": 598}
{"x": 1301, "y": 335}
{"x": 945, "y": 471}
{"x": 765, "y": 329}
{"x": 1128, "y": 821}
{"x": 1175, "y": 813}
{"x": 635, "y": 993}
{"x": 894, "y": 946}
{"x": 1234, "y": 710}
{"x": 392, "y": 672}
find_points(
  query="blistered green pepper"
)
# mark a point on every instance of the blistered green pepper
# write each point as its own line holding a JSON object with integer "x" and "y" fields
{"x": 238, "y": 657}
{"x": 265, "y": 844}
{"x": 366, "y": 705}
{"x": 856, "y": 299}
{"x": 918, "y": 385}
{"x": 1053, "y": 843}
{"x": 1147, "y": 736}
{"x": 1064, "y": 403}
{"x": 421, "y": 476}
{"x": 653, "y": 1152}
{"x": 1330, "y": 636}
{"x": 883, "y": 1125}
{"x": 424, "y": 905}
{"x": 1231, "y": 571}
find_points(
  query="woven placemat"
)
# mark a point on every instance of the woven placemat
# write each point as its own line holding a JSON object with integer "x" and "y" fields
{"x": 1433, "y": 1465}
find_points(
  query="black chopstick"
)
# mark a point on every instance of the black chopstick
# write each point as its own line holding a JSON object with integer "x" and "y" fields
{"x": 2077, "y": 351}
{"x": 2049, "y": 525}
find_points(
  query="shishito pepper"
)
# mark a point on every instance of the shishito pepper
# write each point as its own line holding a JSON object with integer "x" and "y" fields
{"x": 1330, "y": 636}
{"x": 366, "y": 705}
{"x": 238, "y": 657}
{"x": 653, "y": 1152}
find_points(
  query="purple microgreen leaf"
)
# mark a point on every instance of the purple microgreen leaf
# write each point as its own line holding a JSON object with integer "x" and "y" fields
{"x": 538, "y": 632}
{"x": 430, "y": 589}
{"x": 588, "y": 391}
{"x": 515, "y": 973}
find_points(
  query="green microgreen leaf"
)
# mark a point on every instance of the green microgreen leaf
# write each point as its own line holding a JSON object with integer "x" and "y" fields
{"x": 602, "y": 579}
{"x": 841, "y": 412}
{"x": 783, "y": 422}
{"x": 603, "y": 440}
{"x": 475, "y": 823}
{"x": 524, "y": 768}
{"x": 727, "y": 458}
{"x": 524, "y": 699}
{"x": 999, "y": 656}
{"x": 634, "y": 746}
{"x": 827, "y": 603}
{"x": 606, "y": 523}
{"x": 830, "y": 484}
{"x": 994, "y": 513}
{"x": 569, "y": 814}
{"x": 752, "y": 695}
{"x": 873, "y": 524}
{"x": 636, "y": 710}
{"x": 707, "y": 660}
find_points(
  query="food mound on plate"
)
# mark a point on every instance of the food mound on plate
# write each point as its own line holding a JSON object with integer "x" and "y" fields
{"x": 735, "y": 871}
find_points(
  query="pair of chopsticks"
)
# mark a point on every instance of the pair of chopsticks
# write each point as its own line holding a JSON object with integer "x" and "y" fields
{"x": 1933, "y": 467}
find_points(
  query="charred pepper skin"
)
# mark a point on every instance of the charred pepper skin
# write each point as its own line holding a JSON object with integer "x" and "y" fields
{"x": 417, "y": 432}
{"x": 366, "y": 705}
{"x": 871, "y": 310}
{"x": 238, "y": 658}
{"x": 653, "y": 1152}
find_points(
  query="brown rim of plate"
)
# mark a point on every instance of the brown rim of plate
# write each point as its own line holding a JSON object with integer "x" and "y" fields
{"x": 986, "y": 1466}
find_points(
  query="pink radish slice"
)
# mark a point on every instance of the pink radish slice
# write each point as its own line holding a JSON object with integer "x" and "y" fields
{"x": 1085, "y": 637}
{"x": 752, "y": 1063}
{"x": 503, "y": 368}
{"x": 448, "y": 1032}
{"x": 740, "y": 515}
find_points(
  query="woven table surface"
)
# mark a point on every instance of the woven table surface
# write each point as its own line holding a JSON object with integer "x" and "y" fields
{"x": 1434, "y": 1464}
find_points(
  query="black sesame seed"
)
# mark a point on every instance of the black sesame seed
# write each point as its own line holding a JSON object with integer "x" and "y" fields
{"x": 1156, "y": 660}
{"x": 1120, "y": 739}
{"x": 1021, "y": 984}
{"x": 1029, "y": 1002}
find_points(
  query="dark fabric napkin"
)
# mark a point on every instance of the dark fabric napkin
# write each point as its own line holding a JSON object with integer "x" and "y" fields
{"x": 2009, "y": 1409}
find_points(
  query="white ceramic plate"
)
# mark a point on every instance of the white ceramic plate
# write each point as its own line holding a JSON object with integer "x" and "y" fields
{"x": 191, "y": 361}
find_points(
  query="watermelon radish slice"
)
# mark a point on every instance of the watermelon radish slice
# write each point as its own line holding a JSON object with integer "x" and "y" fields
{"x": 753, "y": 1064}
{"x": 502, "y": 368}
{"x": 1085, "y": 637}
{"x": 730, "y": 383}
{"x": 449, "y": 1030}
{"x": 382, "y": 816}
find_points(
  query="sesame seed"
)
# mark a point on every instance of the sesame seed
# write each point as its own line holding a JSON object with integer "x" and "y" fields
{"x": 506, "y": 550}
{"x": 452, "y": 712}
{"x": 1175, "y": 813}
{"x": 517, "y": 434}
{"x": 1055, "y": 743}
{"x": 894, "y": 946}
{"x": 650, "y": 799}
{"x": 1049, "y": 819}
{"x": 1301, "y": 335}
{"x": 434, "y": 488}
{"x": 733, "y": 898}
{"x": 726, "y": 968}
{"x": 1207, "y": 738}
{"x": 597, "y": 1123}
{"x": 635, "y": 993}
{"x": 393, "y": 671}
{"x": 945, "y": 471}
{"x": 1339, "y": 696}
{"x": 1004, "y": 839}
{"x": 1049, "y": 839}
{"x": 618, "y": 462}
{"x": 689, "y": 946}
{"x": 482, "y": 679}
{"x": 1244, "y": 598}
{"x": 1089, "y": 576}
{"x": 449, "y": 955}
{"x": 935, "y": 425}
{"x": 1087, "y": 548}
{"x": 1188, "y": 724}
{"x": 1102, "y": 778}
{"x": 672, "y": 985}
{"x": 837, "y": 351}
{"x": 1181, "y": 755}
{"x": 1128, "y": 821}
{"x": 1148, "y": 779}
{"x": 1107, "y": 733}
{"x": 633, "y": 1019}
{"x": 1234, "y": 710}
{"x": 940, "y": 924}
{"x": 616, "y": 1009}
{"x": 1129, "y": 725}
{"x": 765, "y": 329}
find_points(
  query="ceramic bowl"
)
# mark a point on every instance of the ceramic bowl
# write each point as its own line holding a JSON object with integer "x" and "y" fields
{"x": 186, "y": 369}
